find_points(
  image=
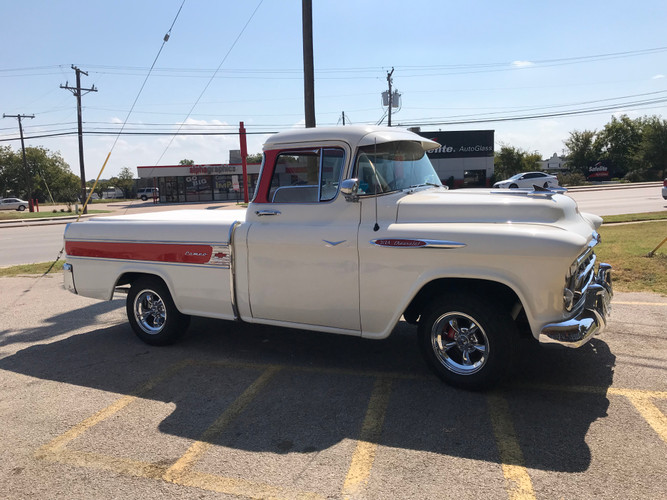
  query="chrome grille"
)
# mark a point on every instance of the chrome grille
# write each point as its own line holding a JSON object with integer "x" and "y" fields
{"x": 581, "y": 275}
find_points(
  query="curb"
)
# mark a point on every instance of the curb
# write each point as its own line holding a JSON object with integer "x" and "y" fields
{"x": 603, "y": 187}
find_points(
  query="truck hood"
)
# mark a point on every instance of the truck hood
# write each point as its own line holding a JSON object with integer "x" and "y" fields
{"x": 491, "y": 206}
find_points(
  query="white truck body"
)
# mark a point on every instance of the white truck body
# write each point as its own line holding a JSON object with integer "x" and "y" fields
{"x": 354, "y": 262}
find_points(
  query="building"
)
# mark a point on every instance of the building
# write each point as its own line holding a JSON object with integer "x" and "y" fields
{"x": 210, "y": 182}
{"x": 464, "y": 158}
{"x": 553, "y": 165}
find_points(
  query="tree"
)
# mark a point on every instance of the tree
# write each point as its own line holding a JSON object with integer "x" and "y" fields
{"x": 510, "y": 160}
{"x": 530, "y": 161}
{"x": 618, "y": 143}
{"x": 186, "y": 162}
{"x": 582, "y": 150}
{"x": 125, "y": 181}
{"x": 255, "y": 158}
{"x": 652, "y": 151}
{"x": 50, "y": 176}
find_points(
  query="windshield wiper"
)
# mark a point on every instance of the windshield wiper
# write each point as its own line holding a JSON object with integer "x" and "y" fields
{"x": 425, "y": 184}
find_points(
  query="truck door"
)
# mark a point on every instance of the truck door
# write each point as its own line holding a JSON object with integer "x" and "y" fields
{"x": 302, "y": 243}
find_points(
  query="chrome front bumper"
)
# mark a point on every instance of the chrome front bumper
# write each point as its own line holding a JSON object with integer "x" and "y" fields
{"x": 591, "y": 319}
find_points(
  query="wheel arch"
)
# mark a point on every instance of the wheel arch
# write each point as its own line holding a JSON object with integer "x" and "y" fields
{"x": 495, "y": 290}
{"x": 129, "y": 277}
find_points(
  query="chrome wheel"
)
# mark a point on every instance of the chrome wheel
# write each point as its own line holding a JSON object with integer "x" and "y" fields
{"x": 150, "y": 312}
{"x": 459, "y": 343}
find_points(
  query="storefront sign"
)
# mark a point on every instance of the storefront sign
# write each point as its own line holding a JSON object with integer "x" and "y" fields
{"x": 461, "y": 144}
{"x": 212, "y": 169}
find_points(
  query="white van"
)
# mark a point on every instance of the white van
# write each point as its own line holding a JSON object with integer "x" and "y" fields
{"x": 112, "y": 192}
{"x": 149, "y": 192}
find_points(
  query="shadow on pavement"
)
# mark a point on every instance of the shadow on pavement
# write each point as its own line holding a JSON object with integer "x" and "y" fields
{"x": 321, "y": 394}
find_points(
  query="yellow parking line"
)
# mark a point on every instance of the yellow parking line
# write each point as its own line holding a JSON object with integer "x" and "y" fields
{"x": 651, "y": 414}
{"x": 194, "y": 453}
{"x": 518, "y": 483}
{"x": 59, "y": 443}
{"x": 241, "y": 487}
{"x": 371, "y": 430}
{"x": 119, "y": 465}
{"x": 623, "y": 303}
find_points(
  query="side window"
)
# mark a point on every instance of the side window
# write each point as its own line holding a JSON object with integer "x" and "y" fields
{"x": 332, "y": 168}
{"x": 306, "y": 176}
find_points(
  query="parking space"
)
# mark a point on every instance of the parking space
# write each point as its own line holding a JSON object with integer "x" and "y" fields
{"x": 258, "y": 412}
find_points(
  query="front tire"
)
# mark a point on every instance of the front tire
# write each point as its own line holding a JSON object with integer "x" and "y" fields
{"x": 467, "y": 341}
{"x": 21, "y": 208}
{"x": 153, "y": 314}
{"x": 513, "y": 186}
{"x": 144, "y": 197}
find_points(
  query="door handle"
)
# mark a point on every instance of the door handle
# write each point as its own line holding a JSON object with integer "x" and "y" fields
{"x": 262, "y": 213}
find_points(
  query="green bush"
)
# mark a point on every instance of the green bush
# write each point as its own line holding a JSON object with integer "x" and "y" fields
{"x": 571, "y": 179}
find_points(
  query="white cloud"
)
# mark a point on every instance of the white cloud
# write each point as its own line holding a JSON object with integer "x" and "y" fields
{"x": 522, "y": 64}
{"x": 657, "y": 77}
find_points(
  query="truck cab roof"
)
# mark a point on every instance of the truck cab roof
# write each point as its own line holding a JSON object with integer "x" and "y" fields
{"x": 355, "y": 135}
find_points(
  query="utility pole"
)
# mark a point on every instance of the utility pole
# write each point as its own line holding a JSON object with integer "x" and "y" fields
{"x": 308, "y": 67}
{"x": 390, "y": 96}
{"x": 76, "y": 91}
{"x": 28, "y": 177}
{"x": 343, "y": 118}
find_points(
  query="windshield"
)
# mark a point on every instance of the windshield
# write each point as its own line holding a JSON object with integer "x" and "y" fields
{"x": 392, "y": 166}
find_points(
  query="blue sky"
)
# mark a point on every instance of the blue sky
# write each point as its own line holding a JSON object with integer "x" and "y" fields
{"x": 454, "y": 62}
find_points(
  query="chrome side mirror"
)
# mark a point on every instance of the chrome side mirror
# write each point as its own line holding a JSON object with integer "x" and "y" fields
{"x": 350, "y": 189}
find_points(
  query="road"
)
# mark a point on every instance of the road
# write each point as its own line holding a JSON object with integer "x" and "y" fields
{"x": 615, "y": 201}
{"x": 25, "y": 245}
{"x": 30, "y": 244}
{"x": 245, "y": 411}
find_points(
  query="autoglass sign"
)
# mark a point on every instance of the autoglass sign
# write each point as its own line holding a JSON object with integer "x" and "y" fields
{"x": 461, "y": 144}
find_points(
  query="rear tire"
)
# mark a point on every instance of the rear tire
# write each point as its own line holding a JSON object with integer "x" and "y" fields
{"x": 467, "y": 340}
{"x": 144, "y": 197}
{"x": 153, "y": 314}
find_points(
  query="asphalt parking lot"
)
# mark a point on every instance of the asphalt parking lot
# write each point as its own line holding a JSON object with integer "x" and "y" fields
{"x": 89, "y": 411}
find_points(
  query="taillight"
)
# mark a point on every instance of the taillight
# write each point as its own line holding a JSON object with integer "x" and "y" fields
{"x": 664, "y": 183}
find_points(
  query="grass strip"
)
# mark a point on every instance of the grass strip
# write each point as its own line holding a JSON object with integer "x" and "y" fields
{"x": 610, "y": 219}
{"x": 43, "y": 215}
{"x": 625, "y": 247}
{"x": 31, "y": 269}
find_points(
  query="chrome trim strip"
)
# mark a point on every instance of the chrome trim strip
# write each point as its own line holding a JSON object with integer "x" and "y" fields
{"x": 424, "y": 243}
{"x": 232, "y": 272}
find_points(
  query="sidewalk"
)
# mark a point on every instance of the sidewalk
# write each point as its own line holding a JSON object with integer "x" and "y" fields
{"x": 116, "y": 208}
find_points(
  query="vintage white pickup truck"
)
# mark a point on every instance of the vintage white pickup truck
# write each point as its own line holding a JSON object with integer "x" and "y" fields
{"x": 349, "y": 231}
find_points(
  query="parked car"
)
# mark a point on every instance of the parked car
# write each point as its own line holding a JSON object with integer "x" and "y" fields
{"x": 13, "y": 204}
{"x": 664, "y": 189}
{"x": 150, "y": 192}
{"x": 112, "y": 192}
{"x": 528, "y": 180}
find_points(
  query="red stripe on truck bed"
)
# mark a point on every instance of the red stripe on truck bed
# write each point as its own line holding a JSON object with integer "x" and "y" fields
{"x": 158, "y": 252}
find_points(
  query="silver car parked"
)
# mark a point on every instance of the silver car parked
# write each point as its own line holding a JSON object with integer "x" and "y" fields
{"x": 13, "y": 204}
